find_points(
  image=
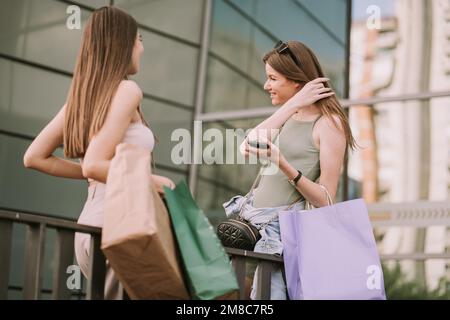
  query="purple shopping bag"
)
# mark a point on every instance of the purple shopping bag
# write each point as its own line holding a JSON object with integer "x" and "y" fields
{"x": 330, "y": 253}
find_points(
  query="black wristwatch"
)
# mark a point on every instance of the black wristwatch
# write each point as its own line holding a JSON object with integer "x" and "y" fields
{"x": 295, "y": 180}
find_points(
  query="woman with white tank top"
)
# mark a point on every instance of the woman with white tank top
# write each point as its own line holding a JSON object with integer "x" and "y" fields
{"x": 102, "y": 110}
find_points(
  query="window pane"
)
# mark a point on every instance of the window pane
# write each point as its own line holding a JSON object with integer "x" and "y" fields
{"x": 291, "y": 22}
{"x": 261, "y": 45}
{"x": 228, "y": 90}
{"x": 179, "y": 18}
{"x": 29, "y": 97}
{"x": 330, "y": 14}
{"x": 230, "y": 35}
{"x": 217, "y": 183}
{"x": 27, "y": 189}
{"x": 162, "y": 125}
{"x": 247, "y": 6}
{"x": 225, "y": 89}
{"x": 168, "y": 69}
{"x": 241, "y": 44}
{"x": 211, "y": 202}
{"x": 36, "y": 31}
{"x": 95, "y": 3}
{"x": 172, "y": 175}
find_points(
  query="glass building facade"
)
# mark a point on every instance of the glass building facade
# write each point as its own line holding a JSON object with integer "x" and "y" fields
{"x": 202, "y": 58}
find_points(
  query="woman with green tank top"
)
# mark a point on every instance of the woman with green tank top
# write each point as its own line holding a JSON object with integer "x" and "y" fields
{"x": 299, "y": 149}
{"x": 306, "y": 139}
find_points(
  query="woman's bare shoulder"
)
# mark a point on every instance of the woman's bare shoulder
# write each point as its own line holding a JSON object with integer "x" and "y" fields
{"x": 131, "y": 88}
{"x": 127, "y": 98}
{"x": 330, "y": 123}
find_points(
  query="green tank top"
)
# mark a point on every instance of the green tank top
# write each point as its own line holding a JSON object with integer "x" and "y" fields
{"x": 296, "y": 143}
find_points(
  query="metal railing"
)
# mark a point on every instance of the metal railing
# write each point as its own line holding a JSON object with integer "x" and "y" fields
{"x": 37, "y": 227}
{"x": 266, "y": 263}
{"x": 416, "y": 214}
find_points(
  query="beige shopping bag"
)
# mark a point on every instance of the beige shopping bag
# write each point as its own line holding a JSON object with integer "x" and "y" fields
{"x": 137, "y": 237}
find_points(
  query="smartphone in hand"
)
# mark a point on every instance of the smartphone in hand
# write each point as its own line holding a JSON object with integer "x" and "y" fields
{"x": 259, "y": 145}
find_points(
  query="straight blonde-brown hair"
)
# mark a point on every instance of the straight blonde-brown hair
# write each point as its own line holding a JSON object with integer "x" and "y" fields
{"x": 103, "y": 62}
{"x": 307, "y": 69}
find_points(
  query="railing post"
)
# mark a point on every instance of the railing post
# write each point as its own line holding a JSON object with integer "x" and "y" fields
{"x": 5, "y": 253}
{"x": 34, "y": 258}
{"x": 64, "y": 250}
{"x": 97, "y": 270}
{"x": 240, "y": 270}
{"x": 264, "y": 280}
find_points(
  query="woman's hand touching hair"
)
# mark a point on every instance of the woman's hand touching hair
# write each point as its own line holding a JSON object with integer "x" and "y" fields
{"x": 311, "y": 92}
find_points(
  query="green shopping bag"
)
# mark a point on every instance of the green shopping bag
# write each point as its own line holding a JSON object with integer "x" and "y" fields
{"x": 208, "y": 269}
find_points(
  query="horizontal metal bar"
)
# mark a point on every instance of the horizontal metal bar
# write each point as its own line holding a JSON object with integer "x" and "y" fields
{"x": 75, "y": 294}
{"x": 140, "y": 26}
{"x": 275, "y": 258}
{"x": 36, "y": 65}
{"x": 415, "y": 256}
{"x": 35, "y": 213}
{"x": 417, "y": 214}
{"x": 397, "y": 256}
{"x": 169, "y": 36}
{"x": 319, "y": 22}
{"x": 236, "y": 114}
{"x": 17, "y": 135}
{"x": 419, "y": 223}
{"x": 254, "y": 255}
{"x": 267, "y": 111}
{"x": 70, "y": 74}
{"x": 253, "y": 21}
{"x": 171, "y": 103}
{"x": 258, "y": 85}
{"x": 50, "y": 222}
{"x": 410, "y": 207}
{"x": 81, "y": 5}
{"x": 399, "y": 98}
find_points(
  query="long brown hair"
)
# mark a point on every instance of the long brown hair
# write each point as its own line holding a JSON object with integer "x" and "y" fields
{"x": 308, "y": 69}
{"x": 103, "y": 62}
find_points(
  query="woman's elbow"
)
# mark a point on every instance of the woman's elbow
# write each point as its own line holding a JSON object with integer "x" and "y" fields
{"x": 86, "y": 170}
{"x": 29, "y": 161}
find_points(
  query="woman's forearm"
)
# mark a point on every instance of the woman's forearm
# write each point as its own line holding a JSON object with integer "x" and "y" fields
{"x": 58, "y": 167}
{"x": 310, "y": 190}
{"x": 275, "y": 121}
{"x": 279, "y": 117}
{"x": 267, "y": 129}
